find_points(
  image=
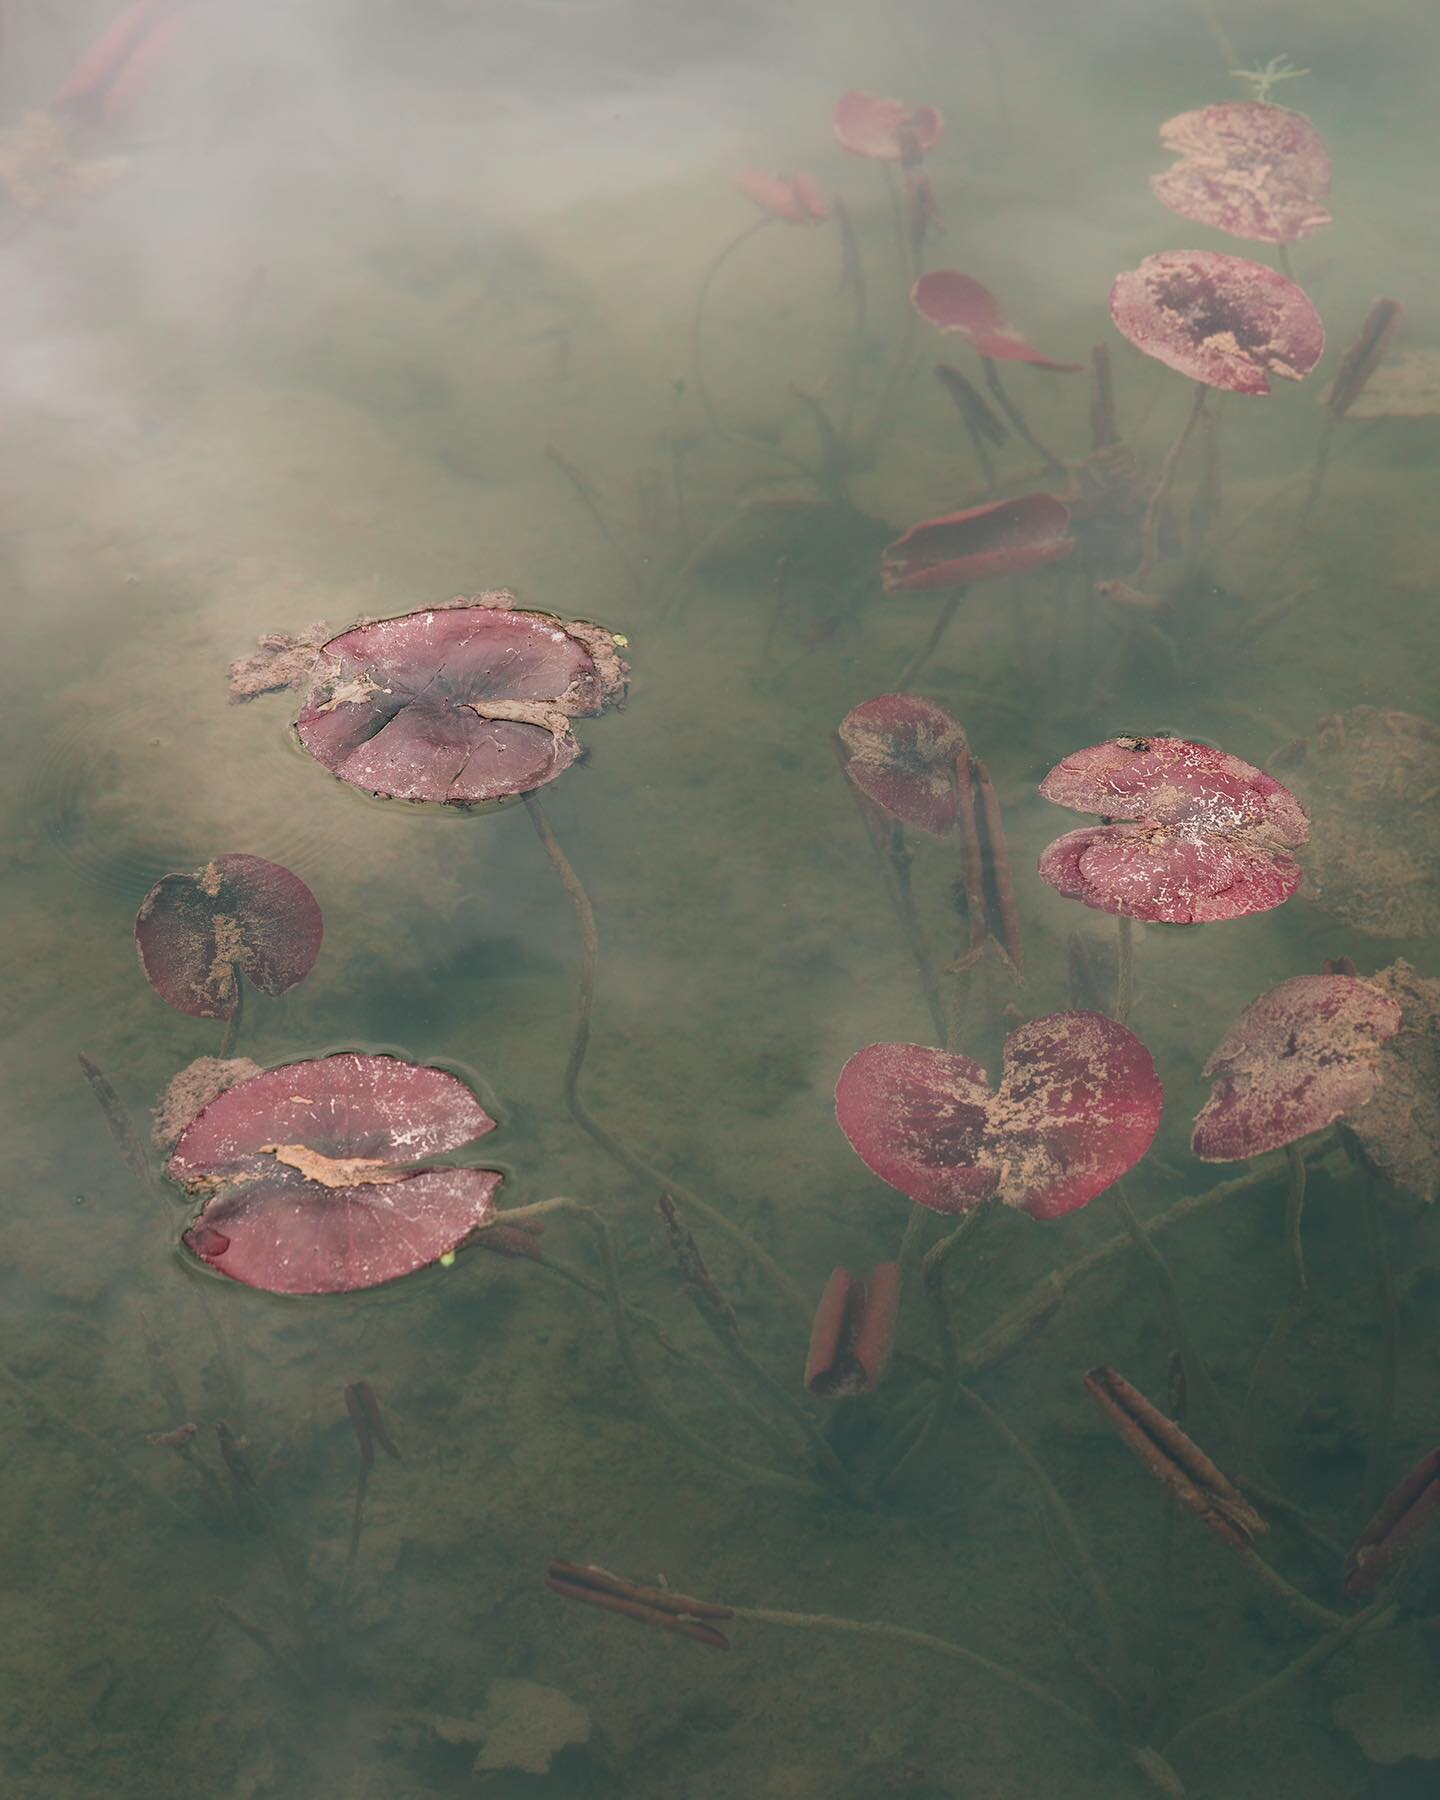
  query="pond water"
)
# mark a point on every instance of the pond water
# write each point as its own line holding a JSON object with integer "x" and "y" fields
{"x": 348, "y": 309}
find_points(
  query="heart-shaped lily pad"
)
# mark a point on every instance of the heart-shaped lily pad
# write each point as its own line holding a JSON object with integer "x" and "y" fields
{"x": 1202, "y": 836}
{"x": 1078, "y": 1104}
{"x": 900, "y": 753}
{"x": 1292, "y": 1063}
{"x": 308, "y": 1180}
{"x": 1223, "y": 320}
{"x": 1256, "y": 171}
{"x": 458, "y": 705}
{"x": 198, "y": 933}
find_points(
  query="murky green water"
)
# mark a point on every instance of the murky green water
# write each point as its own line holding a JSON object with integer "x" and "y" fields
{"x": 304, "y": 360}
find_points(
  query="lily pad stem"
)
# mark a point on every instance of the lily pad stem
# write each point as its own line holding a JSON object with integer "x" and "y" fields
{"x": 580, "y": 1043}
{"x": 1162, "y": 1777}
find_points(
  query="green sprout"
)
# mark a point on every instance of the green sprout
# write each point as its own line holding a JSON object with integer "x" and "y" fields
{"x": 1264, "y": 81}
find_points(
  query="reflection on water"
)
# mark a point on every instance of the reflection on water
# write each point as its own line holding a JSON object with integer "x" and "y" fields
{"x": 346, "y": 310}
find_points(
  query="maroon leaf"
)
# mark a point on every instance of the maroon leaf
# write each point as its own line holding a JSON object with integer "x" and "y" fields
{"x": 1078, "y": 1104}
{"x": 1003, "y": 537}
{"x": 1293, "y": 1062}
{"x": 1205, "y": 836}
{"x": 885, "y": 129}
{"x": 1218, "y": 319}
{"x": 954, "y": 302}
{"x": 459, "y": 704}
{"x": 1255, "y": 171}
{"x": 238, "y": 913}
{"x": 306, "y": 1177}
{"x": 901, "y": 754}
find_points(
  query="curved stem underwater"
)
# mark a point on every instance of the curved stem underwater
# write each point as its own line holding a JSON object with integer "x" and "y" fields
{"x": 580, "y": 1112}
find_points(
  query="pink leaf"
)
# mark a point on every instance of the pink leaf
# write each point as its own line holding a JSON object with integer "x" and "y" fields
{"x": 1294, "y": 1061}
{"x": 1004, "y": 537}
{"x": 1078, "y": 1104}
{"x": 1200, "y": 836}
{"x": 901, "y": 754}
{"x": 1218, "y": 319}
{"x": 237, "y": 914}
{"x": 266, "y": 1225}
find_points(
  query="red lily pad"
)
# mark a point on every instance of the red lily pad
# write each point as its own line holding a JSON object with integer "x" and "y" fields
{"x": 197, "y": 933}
{"x": 1398, "y": 1131}
{"x": 901, "y": 754}
{"x": 951, "y": 301}
{"x": 1192, "y": 835}
{"x": 1078, "y": 1104}
{"x": 888, "y": 130}
{"x": 1004, "y": 537}
{"x": 1219, "y": 319}
{"x": 306, "y": 1174}
{"x": 1255, "y": 171}
{"x": 1295, "y": 1060}
{"x": 457, "y": 705}
{"x": 794, "y": 198}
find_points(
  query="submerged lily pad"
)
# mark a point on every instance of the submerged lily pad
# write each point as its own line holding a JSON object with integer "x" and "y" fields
{"x": 1200, "y": 836}
{"x": 307, "y": 1177}
{"x": 1387, "y": 1697}
{"x": 888, "y": 130}
{"x": 1256, "y": 171}
{"x": 1078, "y": 1104}
{"x": 952, "y": 301}
{"x": 1294, "y": 1061}
{"x": 239, "y": 914}
{"x": 900, "y": 753}
{"x": 1371, "y": 776}
{"x": 1398, "y": 1131}
{"x": 1223, "y": 320}
{"x": 457, "y": 705}
{"x": 1003, "y": 537}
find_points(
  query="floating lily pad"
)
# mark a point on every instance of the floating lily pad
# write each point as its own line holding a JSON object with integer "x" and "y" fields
{"x": 900, "y": 753}
{"x": 1223, "y": 320}
{"x": 307, "y": 1179}
{"x": 1078, "y": 1104}
{"x": 457, "y": 705}
{"x": 1398, "y": 1131}
{"x": 1201, "y": 835}
{"x": 1296, "y": 1059}
{"x": 1004, "y": 537}
{"x": 1256, "y": 171}
{"x": 198, "y": 933}
{"x": 1371, "y": 777}
{"x": 951, "y": 301}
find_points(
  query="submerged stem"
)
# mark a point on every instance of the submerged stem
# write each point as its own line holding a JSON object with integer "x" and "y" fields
{"x": 1159, "y": 1772}
{"x": 1013, "y": 413}
{"x": 231, "y": 1035}
{"x": 1154, "y": 511}
{"x": 922, "y": 656}
{"x": 591, "y": 1126}
{"x": 1390, "y": 1347}
{"x": 697, "y": 324}
{"x": 1124, "y": 969}
{"x": 1194, "y": 1363}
